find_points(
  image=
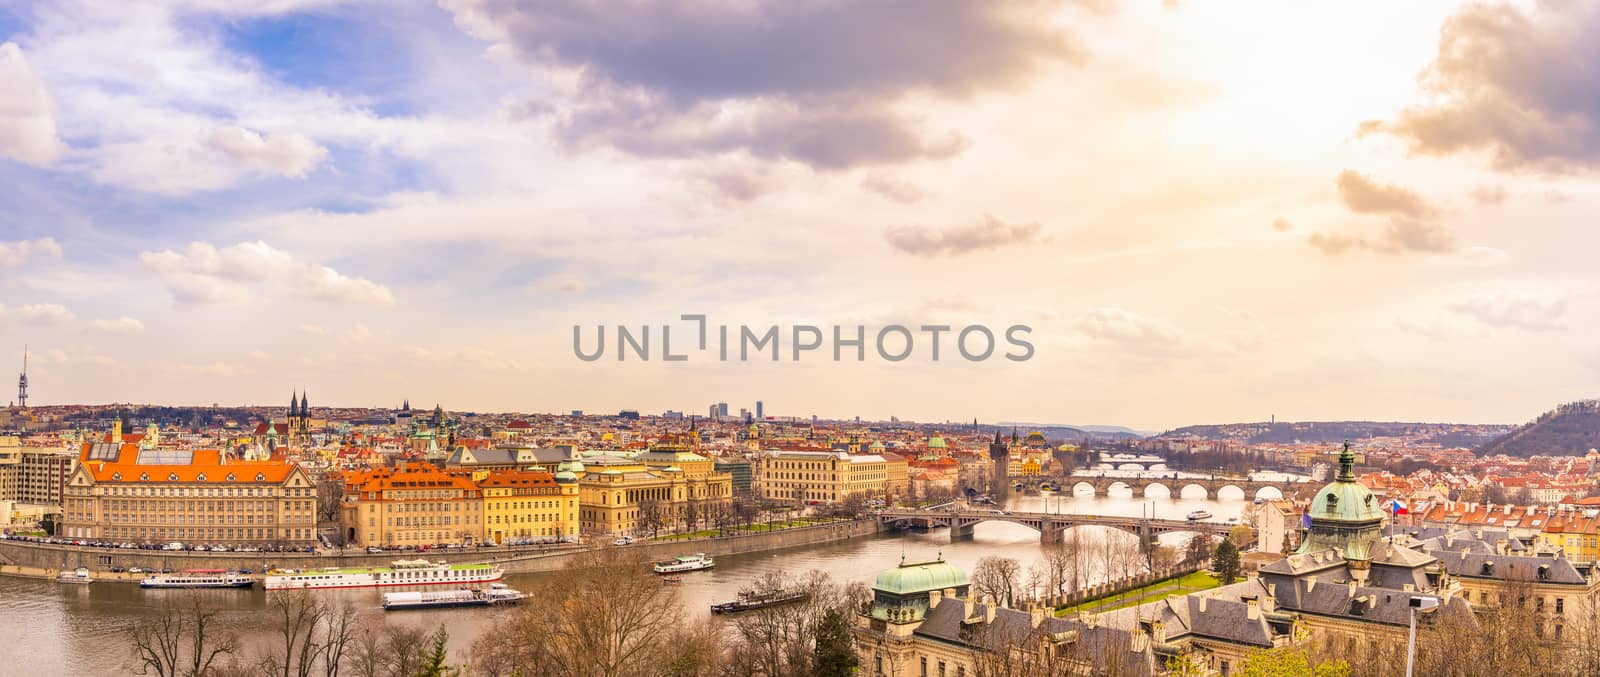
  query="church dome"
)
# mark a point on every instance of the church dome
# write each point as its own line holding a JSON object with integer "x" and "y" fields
{"x": 566, "y": 476}
{"x": 920, "y": 577}
{"x": 936, "y": 442}
{"x": 1346, "y": 502}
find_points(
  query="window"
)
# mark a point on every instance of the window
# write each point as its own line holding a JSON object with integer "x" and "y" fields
{"x": 1560, "y": 608}
{"x": 924, "y": 666}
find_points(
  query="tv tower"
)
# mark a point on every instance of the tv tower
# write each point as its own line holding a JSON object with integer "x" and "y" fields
{"x": 22, "y": 381}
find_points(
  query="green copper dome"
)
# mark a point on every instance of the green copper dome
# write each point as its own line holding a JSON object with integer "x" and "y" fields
{"x": 1345, "y": 516}
{"x": 936, "y": 442}
{"x": 566, "y": 476}
{"x": 920, "y": 578}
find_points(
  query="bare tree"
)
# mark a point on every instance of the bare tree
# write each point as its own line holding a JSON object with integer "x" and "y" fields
{"x": 606, "y": 616}
{"x": 182, "y": 641}
{"x": 780, "y": 640}
{"x": 997, "y": 579}
{"x": 380, "y": 650}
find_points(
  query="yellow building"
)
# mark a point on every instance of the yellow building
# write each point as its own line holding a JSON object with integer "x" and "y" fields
{"x": 621, "y": 495}
{"x": 414, "y": 504}
{"x": 120, "y": 492}
{"x": 528, "y": 506}
{"x": 822, "y": 476}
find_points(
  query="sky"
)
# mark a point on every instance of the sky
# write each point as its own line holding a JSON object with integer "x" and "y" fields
{"x": 1204, "y": 211}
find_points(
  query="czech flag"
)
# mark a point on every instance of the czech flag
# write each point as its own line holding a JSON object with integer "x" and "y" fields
{"x": 1398, "y": 507}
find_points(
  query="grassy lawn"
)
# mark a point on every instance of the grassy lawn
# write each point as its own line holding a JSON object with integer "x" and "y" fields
{"x": 1197, "y": 581}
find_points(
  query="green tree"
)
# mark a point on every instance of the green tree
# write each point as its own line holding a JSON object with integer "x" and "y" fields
{"x": 1226, "y": 562}
{"x": 1290, "y": 663}
{"x": 435, "y": 664}
{"x": 834, "y": 656}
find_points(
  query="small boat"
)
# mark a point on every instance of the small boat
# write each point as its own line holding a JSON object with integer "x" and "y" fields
{"x": 78, "y": 576}
{"x": 198, "y": 578}
{"x": 694, "y": 562}
{"x": 1259, "y": 501}
{"x": 498, "y": 593}
{"x": 750, "y": 601}
{"x": 1199, "y": 515}
{"x": 672, "y": 580}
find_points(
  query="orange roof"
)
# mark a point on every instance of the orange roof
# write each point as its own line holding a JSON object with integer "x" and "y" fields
{"x": 205, "y": 465}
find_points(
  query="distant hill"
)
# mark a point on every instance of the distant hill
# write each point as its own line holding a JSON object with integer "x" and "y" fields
{"x": 1055, "y": 430}
{"x": 1333, "y": 432}
{"x": 1568, "y": 430}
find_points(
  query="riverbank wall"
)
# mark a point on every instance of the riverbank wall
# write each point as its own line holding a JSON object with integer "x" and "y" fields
{"x": 22, "y": 558}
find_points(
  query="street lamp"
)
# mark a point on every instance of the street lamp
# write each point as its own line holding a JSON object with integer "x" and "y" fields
{"x": 1422, "y": 603}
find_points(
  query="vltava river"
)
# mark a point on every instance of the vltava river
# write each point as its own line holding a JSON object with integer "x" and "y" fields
{"x": 56, "y": 629}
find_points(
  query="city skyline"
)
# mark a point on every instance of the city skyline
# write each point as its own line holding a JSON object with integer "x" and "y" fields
{"x": 1206, "y": 214}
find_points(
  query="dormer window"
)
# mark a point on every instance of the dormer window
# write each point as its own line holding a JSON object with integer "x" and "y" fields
{"x": 172, "y": 477}
{"x": 261, "y": 477}
{"x": 232, "y": 478}
{"x": 200, "y": 478}
{"x": 116, "y": 476}
{"x": 144, "y": 477}
{"x": 1332, "y": 500}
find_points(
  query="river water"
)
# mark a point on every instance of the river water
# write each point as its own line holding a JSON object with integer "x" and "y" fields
{"x": 56, "y": 629}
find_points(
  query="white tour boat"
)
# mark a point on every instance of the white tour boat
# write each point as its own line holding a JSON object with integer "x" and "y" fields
{"x": 78, "y": 576}
{"x": 198, "y": 578}
{"x": 694, "y": 562}
{"x": 403, "y": 572}
{"x": 497, "y": 593}
{"x": 1199, "y": 515}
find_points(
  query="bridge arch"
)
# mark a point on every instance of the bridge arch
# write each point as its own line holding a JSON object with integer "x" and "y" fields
{"x": 1269, "y": 493}
{"x": 1119, "y": 486}
{"x": 1084, "y": 484}
{"x": 1130, "y": 466}
{"x": 1230, "y": 492}
{"x": 1165, "y": 491}
{"x": 1194, "y": 490}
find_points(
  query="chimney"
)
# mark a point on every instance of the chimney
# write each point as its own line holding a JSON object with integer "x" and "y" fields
{"x": 1352, "y": 585}
{"x": 1036, "y": 615}
{"x": 1310, "y": 583}
{"x": 1158, "y": 632}
{"x": 934, "y": 597}
{"x": 1203, "y": 599}
{"x": 988, "y": 612}
{"x": 969, "y": 606}
{"x": 1252, "y": 610}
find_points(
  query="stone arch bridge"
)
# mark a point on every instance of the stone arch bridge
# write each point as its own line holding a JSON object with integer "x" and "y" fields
{"x": 1175, "y": 485}
{"x": 1050, "y": 526}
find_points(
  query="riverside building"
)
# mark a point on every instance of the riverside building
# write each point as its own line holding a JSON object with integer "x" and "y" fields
{"x": 121, "y": 491}
{"x": 821, "y": 476}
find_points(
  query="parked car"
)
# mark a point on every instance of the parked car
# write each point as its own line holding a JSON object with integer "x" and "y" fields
{"x": 135, "y": 570}
{"x": 625, "y": 540}
{"x": 373, "y": 549}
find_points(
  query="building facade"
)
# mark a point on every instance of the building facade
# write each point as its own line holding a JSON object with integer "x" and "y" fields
{"x": 121, "y": 492}
{"x": 622, "y": 495}
{"x": 410, "y": 505}
{"x": 821, "y": 476}
{"x": 520, "y": 505}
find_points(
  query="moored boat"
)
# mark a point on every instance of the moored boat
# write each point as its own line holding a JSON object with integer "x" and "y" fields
{"x": 402, "y": 572}
{"x": 750, "y": 601}
{"x": 694, "y": 562}
{"x": 198, "y": 578}
{"x": 498, "y": 593}
{"x": 1199, "y": 515}
{"x": 78, "y": 576}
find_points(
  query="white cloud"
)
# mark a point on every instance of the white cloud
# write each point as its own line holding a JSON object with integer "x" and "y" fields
{"x": 356, "y": 335}
{"x": 290, "y": 155}
{"x": 27, "y": 123}
{"x": 38, "y": 314}
{"x": 121, "y": 325}
{"x": 1522, "y": 310}
{"x": 203, "y": 273}
{"x": 13, "y": 254}
{"x": 1141, "y": 334}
